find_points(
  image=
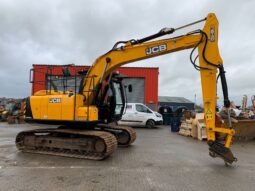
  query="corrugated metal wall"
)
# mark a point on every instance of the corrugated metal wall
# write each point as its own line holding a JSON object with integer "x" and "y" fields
{"x": 137, "y": 94}
{"x": 150, "y": 76}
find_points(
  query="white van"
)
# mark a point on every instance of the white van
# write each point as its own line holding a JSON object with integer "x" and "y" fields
{"x": 138, "y": 114}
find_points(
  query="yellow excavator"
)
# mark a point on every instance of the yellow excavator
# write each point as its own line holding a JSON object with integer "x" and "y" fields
{"x": 85, "y": 117}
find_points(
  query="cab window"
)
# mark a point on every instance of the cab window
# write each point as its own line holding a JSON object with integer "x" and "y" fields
{"x": 141, "y": 108}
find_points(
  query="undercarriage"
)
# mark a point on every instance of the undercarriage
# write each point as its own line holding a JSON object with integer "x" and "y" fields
{"x": 96, "y": 144}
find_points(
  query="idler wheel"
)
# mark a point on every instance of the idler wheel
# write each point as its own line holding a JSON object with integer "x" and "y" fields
{"x": 100, "y": 146}
{"x": 123, "y": 138}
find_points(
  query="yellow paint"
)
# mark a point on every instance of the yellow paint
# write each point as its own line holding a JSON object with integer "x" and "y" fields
{"x": 230, "y": 133}
{"x": 63, "y": 108}
{"x": 87, "y": 113}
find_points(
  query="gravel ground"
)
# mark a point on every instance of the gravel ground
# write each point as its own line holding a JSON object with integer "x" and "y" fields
{"x": 158, "y": 160}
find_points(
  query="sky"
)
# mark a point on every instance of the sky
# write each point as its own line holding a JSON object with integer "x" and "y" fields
{"x": 65, "y": 31}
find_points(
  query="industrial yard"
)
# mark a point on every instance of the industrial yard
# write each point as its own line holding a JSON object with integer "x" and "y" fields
{"x": 158, "y": 160}
{"x": 127, "y": 95}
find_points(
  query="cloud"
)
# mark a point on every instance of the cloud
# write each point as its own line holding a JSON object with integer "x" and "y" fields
{"x": 63, "y": 32}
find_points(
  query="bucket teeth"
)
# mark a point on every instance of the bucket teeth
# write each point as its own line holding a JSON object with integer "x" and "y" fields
{"x": 217, "y": 149}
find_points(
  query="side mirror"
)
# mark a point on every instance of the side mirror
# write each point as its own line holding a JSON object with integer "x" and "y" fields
{"x": 130, "y": 88}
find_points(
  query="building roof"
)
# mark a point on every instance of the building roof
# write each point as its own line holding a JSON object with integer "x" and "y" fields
{"x": 168, "y": 99}
{"x": 59, "y": 65}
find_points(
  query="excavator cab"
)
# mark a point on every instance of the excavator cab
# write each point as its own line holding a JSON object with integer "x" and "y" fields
{"x": 111, "y": 100}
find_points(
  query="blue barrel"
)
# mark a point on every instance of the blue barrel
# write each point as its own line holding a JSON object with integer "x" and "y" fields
{"x": 175, "y": 124}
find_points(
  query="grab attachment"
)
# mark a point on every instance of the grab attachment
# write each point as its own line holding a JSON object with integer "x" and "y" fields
{"x": 217, "y": 149}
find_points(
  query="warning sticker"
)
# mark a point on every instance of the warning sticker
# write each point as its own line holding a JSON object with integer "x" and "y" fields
{"x": 208, "y": 112}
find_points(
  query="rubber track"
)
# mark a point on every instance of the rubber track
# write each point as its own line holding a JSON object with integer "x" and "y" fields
{"x": 109, "y": 140}
{"x": 131, "y": 131}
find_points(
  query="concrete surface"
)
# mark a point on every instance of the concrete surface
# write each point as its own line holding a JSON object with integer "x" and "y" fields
{"x": 158, "y": 160}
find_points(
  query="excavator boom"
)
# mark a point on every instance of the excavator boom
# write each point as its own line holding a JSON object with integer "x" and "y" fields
{"x": 210, "y": 63}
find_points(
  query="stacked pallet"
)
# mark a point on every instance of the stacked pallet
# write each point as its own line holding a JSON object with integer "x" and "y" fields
{"x": 186, "y": 128}
{"x": 194, "y": 127}
{"x": 198, "y": 127}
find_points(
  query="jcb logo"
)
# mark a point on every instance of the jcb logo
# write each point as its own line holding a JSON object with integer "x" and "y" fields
{"x": 156, "y": 49}
{"x": 54, "y": 100}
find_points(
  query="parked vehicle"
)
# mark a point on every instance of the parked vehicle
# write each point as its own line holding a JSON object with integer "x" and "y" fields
{"x": 138, "y": 114}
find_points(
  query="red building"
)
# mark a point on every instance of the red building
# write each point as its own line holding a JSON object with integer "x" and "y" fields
{"x": 143, "y": 80}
